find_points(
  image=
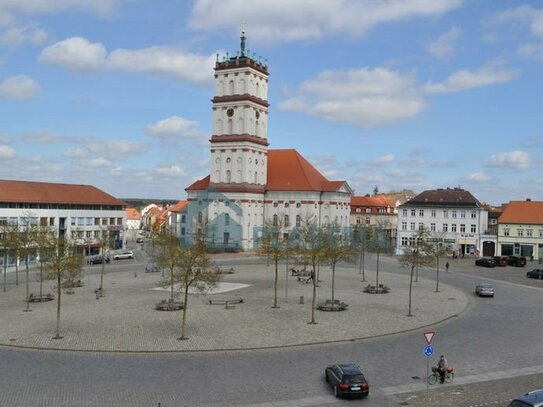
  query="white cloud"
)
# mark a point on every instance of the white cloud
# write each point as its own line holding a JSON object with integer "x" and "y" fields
{"x": 95, "y": 163}
{"x": 173, "y": 127}
{"x": 384, "y": 159}
{"x": 79, "y": 54}
{"x": 75, "y": 54}
{"x": 16, "y": 36}
{"x": 478, "y": 177}
{"x": 524, "y": 13}
{"x": 42, "y": 138}
{"x": 512, "y": 159}
{"x": 7, "y": 152}
{"x": 287, "y": 20}
{"x": 465, "y": 79}
{"x": 164, "y": 60}
{"x": 110, "y": 150}
{"x": 368, "y": 97}
{"x": 19, "y": 87}
{"x": 531, "y": 50}
{"x": 443, "y": 47}
{"x": 104, "y": 7}
{"x": 170, "y": 171}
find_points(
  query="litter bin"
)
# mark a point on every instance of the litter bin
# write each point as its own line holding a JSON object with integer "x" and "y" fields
{"x": 301, "y": 299}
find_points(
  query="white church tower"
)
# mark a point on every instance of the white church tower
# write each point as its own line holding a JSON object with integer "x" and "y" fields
{"x": 239, "y": 142}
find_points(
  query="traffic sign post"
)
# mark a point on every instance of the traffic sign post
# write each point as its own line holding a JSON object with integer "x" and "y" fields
{"x": 428, "y": 351}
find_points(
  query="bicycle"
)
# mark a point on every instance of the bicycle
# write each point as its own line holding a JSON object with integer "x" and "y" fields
{"x": 436, "y": 377}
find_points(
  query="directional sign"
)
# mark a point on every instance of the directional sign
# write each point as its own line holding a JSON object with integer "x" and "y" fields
{"x": 428, "y": 350}
{"x": 428, "y": 336}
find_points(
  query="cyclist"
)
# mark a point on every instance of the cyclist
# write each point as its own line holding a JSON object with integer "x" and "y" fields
{"x": 442, "y": 366}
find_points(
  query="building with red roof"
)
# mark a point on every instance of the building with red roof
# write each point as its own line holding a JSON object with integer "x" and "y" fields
{"x": 249, "y": 184}
{"x": 374, "y": 211}
{"x": 80, "y": 213}
{"x": 133, "y": 219}
{"x": 520, "y": 229}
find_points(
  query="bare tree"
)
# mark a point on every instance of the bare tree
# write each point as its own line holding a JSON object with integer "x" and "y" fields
{"x": 275, "y": 247}
{"x": 12, "y": 244}
{"x": 27, "y": 233}
{"x": 437, "y": 248}
{"x": 194, "y": 270}
{"x": 312, "y": 248}
{"x": 62, "y": 264}
{"x": 43, "y": 239}
{"x": 337, "y": 247}
{"x": 170, "y": 258}
{"x": 105, "y": 241}
{"x": 416, "y": 255}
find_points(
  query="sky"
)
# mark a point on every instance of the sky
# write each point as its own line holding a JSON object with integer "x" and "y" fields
{"x": 393, "y": 94}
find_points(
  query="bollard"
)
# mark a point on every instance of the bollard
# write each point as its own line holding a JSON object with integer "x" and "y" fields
{"x": 301, "y": 299}
{"x": 135, "y": 274}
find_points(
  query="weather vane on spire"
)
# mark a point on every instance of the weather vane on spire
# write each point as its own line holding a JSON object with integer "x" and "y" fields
{"x": 242, "y": 38}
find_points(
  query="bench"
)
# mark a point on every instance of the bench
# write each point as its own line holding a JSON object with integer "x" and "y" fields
{"x": 40, "y": 298}
{"x": 328, "y": 305}
{"x": 225, "y": 301}
{"x": 169, "y": 305}
{"x": 300, "y": 273}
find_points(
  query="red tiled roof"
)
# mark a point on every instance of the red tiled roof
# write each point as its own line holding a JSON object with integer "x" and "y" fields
{"x": 523, "y": 212}
{"x": 178, "y": 207}
{"x": 287, "y": 171}
{"x": 379, "y": 200}
{"x": 132, "y": 214}
{"x": 49, "y": 193}
{"x": 199, "y": 185}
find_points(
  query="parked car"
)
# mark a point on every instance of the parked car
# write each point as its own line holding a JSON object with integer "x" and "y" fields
{"x": 485, "y": 262}
{"x": 484, "y": 290}
{"x": 347, "y": 380}
{"x": 535, "y": 273}
{"x": 98, "y": 260}
{"x": 501, "y": 261}
{"x": 124, "y": 255}
{"x": 530, "y": 399}
{"x": 139, "y": 240}
{"x": 517, "y": 261}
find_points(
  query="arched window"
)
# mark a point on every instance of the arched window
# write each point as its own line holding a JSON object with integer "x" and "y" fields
{"x": 274, "y": 220}
{"x": 257, "y": 90}
{"x": 256, "y": 177}
{"x": 228, "y": 176}
{"x": 200, "y": 217}
{"x": 298, "y": 221}
{"x": 257, "y": 130}
{"x": 226, "y": 219}
{"x": 231, "y": 86}
{"x": 230, "y": 126}
{"x": 286, "y": 220}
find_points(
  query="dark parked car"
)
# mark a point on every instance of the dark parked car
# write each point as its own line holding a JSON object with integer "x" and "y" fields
{"x": 517, "y": 261}
{"x": 484, "y": 290}
{"x": 530, "y": 399}
{"x": 98, "y": 260}
{"x": 347, "y": 380}
{"x": 485, "y": 262}
{"x": 501, "y": 261}
{"x": 535, "y": 273}
{"x": 139, "y": 240}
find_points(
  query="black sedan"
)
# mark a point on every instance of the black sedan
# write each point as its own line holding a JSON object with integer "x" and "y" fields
{"x": 98, "y": 260}
{"x": 535, "y": 273}
{"x": 347, "y": 380}
{"x": 485, "y": 262}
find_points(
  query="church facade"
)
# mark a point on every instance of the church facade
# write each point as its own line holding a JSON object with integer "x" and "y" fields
{"x": 250, "y": 184}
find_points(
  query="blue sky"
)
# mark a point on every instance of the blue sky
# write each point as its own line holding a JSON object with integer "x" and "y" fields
{"x": 399, "y": 94}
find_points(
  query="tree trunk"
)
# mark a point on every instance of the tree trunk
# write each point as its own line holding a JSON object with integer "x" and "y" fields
{"x": 377, "y": 273}
{"x": 184, "y": 318}
{"x": 41, "y": 277}
{"x": 102, "y": 275}
{"x": 333, "y": 281}
{"x": 5, "y": 268}
{"x": 313, "y": 300}
{"x": 276, "y": 278}
{"x": 172, "y": 295}
{"x": 410, "y": 289}
{"x": 437, "y": 275}
{"x": 59, "y": 292}
{"x": 27, "y": 275}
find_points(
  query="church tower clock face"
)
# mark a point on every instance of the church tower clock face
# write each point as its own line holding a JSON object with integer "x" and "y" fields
{"x": 230, "y": 112}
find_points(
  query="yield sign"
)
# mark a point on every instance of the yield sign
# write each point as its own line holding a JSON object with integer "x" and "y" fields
{"x": 428, "y": 336}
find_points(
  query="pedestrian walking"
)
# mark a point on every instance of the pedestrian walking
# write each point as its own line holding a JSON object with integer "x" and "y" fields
{"x": 447, "y": 265}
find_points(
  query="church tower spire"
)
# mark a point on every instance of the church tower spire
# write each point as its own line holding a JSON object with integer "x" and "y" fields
{"x": 239, "y": 143}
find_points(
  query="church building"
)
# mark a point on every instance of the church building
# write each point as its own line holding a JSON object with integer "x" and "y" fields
{"x": 250, "y": 184}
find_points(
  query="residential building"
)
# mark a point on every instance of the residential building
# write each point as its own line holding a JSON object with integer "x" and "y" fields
{"x": 250, "y": 184}
{"x": 452, "y": 215}
{"x": 79, "y": 213}
{"x": 520, "y": 229}
{"x": 375, "y": 211}
{"x": 177, "y": 219}
{"x": 133, "y": 219}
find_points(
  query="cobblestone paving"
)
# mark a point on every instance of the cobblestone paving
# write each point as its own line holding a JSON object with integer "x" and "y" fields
{"x": 125, "y": 319}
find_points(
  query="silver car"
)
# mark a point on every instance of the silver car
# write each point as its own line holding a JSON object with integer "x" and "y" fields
{"x": 530, "y": 399}
{"x": 124, "y": 255}
{"x": 484, "y": 290}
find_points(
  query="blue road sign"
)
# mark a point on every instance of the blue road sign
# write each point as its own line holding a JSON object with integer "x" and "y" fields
{"x": 428, "y": 350}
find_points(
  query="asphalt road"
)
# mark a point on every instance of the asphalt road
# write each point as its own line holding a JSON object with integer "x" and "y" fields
{"x": 498, "y": 336}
